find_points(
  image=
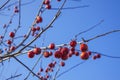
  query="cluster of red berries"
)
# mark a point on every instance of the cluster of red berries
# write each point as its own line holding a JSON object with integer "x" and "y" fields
{"x": 39, "y": 19}
{"x": 9, "y": 42}
{"x": 48, "y": 70}
{"x": 62, "y": 53}
{"x": 32, "y": 53}
{"x": 47, "y": 3}
{"x": 34, "y": 29}
{"x": 85, "y": 53}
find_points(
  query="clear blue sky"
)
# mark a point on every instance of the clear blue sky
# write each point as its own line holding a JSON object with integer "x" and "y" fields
{"x": 64, "y": 29}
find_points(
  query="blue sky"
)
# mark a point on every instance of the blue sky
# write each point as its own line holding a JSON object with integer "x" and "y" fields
{"x": 70, "y": 23}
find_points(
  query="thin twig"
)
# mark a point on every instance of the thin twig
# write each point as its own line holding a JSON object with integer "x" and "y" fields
{"x": 94, "y": 26}
{"x": 116, "y": 57}
{"x": 104, "y": 34}
{"x": 70, "y": 69}
{"x": 4, "y": 4}
{"x": 69, "y": 8}
{"x": 57, "y": 72}
{"x": 33, "y": 67}
{"x": 26, "y": 67}
{"x": 12, "y": 77}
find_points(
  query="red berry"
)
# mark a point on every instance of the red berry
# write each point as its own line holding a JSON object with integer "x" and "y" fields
{"x": 37, "y": 51}
{"x": 47, "y": 2}
{"x": 51, "y": 65}
{"x": 98, "y": 55}
{"x": 46, "y": 54}
{"x": 30, "y": 54}
{"x": 48, "y": 6}
{"x": 1, "y": 37}
{"x": 64, "y": 51}
{"x": 38, "y": 19}
{"x": 72, "y": 49}
{"x": 73, "y": 43}
{"x": 37, "y": 28}
{"x": 9, "y": 42}
{"x": 16, "y": 10}
{"x": 84, "y": 55}
{"x": 41, "y": 69}
{"x": 83, "y": 47}
{"x": 77, "y": 53}
{"x": 33, "y": 29}
{"x": 38, "y": 73}
{"x": 51, "y": 46}
{"x": 62, "y": 63}
{"x": 64, "y": 57}
{"x": 11, "y": 34}
{"x": 94, "y": 57}
{"x": 89, "y": 52}
{"x": 12, "y": 48}
{"x": 47, "y": 76}
{"x": 57, "y": 54}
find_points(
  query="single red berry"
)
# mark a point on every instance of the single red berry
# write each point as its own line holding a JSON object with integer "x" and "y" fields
{"x": 83, "y": 47}
{"x": 72, "y": 49}
{"x": 48, "y": 6}
{"x": 47, "y": 76}
{"x": 41, "y": 69}
{"x": 1, "y": 37}
{"x": 16, "y": 10}
{"x": 33, "y": 29}
{"x": 84, "y": 55}
{"x": 47, "y": 2}
{"x": 73, "y": 43}
{"x": 64, "y": 57}
{"x": 51, "y": 46}
{"x": 37, "y": 50}
{"x": 76, "y": 53}
{"x": 94, "y": 57}
{"x": 30, "y": 54}
{"x": 38, "y": 73}
{"x": 38, "y": 19}
{"x": 89, "y": 52}
{"x": 9, "y": 42}
{"x": 64, "y": 51}
{"x": 37, "y": 28}
{"x": 98, "y": 55}
{"x": 11, "y": 34}
{"x": 62, "y": 63}
{"x": 57, "y": 54}
{"x": 12, "y": 48}
{"x": 46, "y": 54}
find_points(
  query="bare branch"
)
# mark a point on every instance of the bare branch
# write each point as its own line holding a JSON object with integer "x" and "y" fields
{"x": 4, "y": 4}
{"x": 70, "y": 69}
{"x": 12, "y": 77}
{"x": 26, "y": 67}
{"x": 94, "y": 26}
{"x": 101, "y": 35}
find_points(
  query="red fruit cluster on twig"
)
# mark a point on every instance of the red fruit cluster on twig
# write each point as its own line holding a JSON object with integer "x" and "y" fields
{"x": 34, "y": 52}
